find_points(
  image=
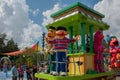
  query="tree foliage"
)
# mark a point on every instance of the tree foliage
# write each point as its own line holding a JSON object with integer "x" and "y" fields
{"x": 7, "y": 45}
{"x": 10, "y": 46}
{"x": 27, "y": 57}
{"x": 2, "y": 42}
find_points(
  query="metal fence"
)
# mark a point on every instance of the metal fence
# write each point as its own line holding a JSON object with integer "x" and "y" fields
{"x": 42, "y": 62}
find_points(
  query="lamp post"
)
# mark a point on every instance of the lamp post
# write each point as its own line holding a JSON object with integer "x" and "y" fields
{"x": 43, "y": 41}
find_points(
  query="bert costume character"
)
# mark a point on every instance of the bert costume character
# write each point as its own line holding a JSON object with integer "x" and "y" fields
{"x": 50, "y": 51}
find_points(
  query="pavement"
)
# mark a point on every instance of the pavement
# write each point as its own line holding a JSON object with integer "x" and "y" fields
{"x": 8, "y": 76}
{"x": 118, "y": 78}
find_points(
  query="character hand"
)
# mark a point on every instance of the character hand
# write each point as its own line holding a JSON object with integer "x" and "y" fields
{"x": 106, "y": 50}
{"x": 77, "y": 37}
{"x": 46, "y": 39}
{"x": 119, "y": 50}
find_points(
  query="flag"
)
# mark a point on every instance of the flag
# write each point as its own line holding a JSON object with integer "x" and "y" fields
{"x": 36, "y": 47}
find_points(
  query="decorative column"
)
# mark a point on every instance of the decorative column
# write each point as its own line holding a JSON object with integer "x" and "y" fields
{"x": 71, "y": 36}
{"x": 14, "y": 58}
{"x": 83, "y": 46}
{"x": 91, "y": 38}
{"x": 76, "y": 47}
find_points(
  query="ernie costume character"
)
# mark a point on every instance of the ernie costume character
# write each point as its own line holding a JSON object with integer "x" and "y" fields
{"x": 61, "y": 43}
{"x": 114, "y": 50}
{"x": 98, "y": 50}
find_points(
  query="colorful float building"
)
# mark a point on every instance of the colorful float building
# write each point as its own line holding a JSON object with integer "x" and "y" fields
{"x": 79, "y": 20}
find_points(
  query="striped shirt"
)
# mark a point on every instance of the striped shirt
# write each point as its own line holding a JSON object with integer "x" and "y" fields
{"x": 61, "y": 43}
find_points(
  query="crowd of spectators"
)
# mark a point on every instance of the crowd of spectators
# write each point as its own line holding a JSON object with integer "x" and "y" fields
{"x": 19, "y": 70}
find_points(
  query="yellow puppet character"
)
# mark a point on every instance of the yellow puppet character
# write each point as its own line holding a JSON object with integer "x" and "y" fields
{"x": 49, "y": 50}
{"x": 50, "y": 36}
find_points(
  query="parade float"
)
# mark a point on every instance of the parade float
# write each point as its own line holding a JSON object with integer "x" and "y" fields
{"x": 81, "y": 20}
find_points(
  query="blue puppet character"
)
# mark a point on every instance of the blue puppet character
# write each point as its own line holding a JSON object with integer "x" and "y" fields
{"x": 61, "y": 43}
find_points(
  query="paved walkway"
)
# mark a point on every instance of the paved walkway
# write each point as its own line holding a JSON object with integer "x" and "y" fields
{"x": 8, "y": 76}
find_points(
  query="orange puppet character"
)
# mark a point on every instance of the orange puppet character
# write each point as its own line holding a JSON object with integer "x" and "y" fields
{"x": 50, "y": 67}
{"x": 117, "y": 61}
{"x": 50, "y": 36}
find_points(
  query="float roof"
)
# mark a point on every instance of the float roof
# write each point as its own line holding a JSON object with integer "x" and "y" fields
{"x": 75, "y": 5}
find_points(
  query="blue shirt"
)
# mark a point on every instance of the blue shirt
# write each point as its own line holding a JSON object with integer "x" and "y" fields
{"x": 14, "y": 71}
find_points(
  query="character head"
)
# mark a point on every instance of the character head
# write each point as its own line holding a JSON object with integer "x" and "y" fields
{"x": 98, "y": 36}
{"x": 61, "y": 32}
{"x": 51, "y": 32}
{"x": 113, "y": 41}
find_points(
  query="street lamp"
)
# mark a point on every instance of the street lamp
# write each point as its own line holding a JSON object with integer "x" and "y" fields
{"x": 43, "y": 41}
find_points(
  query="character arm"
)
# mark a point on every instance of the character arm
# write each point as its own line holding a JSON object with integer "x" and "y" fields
{"x": 118, "y": 50}
{"x": 75, "y": 39}
{"x": 106, "y": 50}
{"x": 102, "y": 48}
{"x": 52, "y": 41}
{"x": 49, "y": 41}
{"x": 113, "y": 50}
{"x": 46, "y": 39}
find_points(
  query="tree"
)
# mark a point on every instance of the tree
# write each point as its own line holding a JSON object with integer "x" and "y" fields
{"x": 11, "y": 46}
{"x": 7, "y": 45}
{"x": 2, "y": 42}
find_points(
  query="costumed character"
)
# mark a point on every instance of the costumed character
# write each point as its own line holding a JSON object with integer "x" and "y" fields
{"x": 49, "y": 50}
{"x": 117, "y": 61}
{"x": 98, "y": 50}
{"x": 114, "y": 50}
{"x": 61, "y": 43}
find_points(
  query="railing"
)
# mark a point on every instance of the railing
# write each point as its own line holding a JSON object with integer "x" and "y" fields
{"x": 43, "y": 63}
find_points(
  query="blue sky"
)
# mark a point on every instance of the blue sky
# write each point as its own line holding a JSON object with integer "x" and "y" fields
{"x": 25, "y": 20}
{"x": 44, "y": 5}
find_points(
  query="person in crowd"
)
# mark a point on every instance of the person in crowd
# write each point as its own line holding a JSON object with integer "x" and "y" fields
{"x": 14, "y": 72}
{"x": 20, "y": 73}
{"x": 28, "y": 71}
{"x": 5, "y": 66}
{"x": 34, "y": 71}
{"x": 0, "y": 67}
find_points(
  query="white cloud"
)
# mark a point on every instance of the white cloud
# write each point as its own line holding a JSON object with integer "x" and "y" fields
{"x": 47, "y": 19}
{"x": 31, "y": 34}
{"x": 14, "y": 21}
{"x": 110, "y": 8}
{"x": 36, "y": 12}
